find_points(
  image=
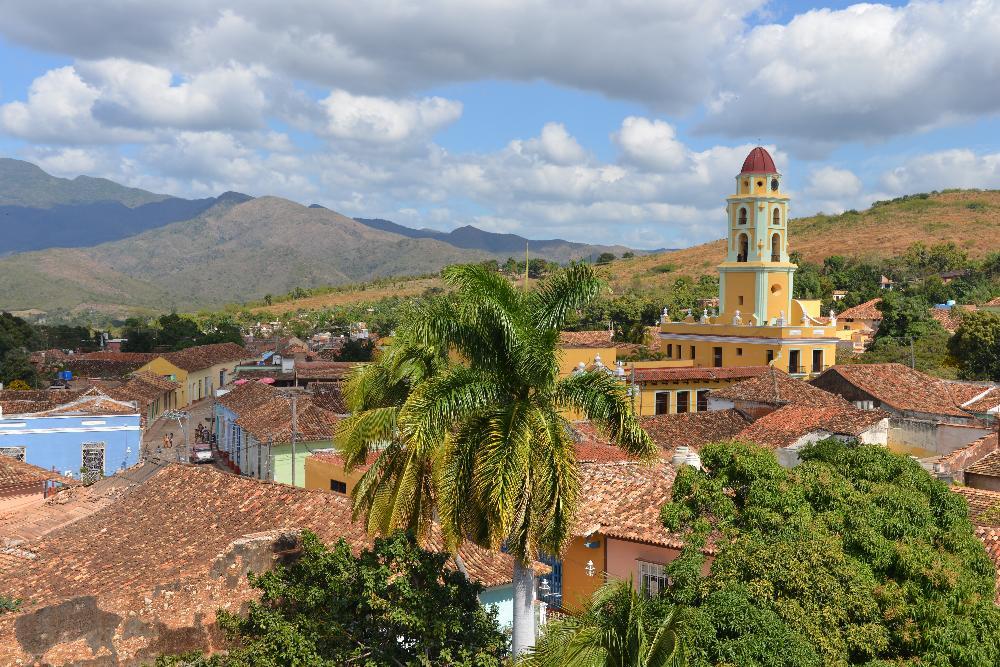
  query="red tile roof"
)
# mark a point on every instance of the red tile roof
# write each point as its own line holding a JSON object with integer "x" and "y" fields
{"x": 272, "y": 421}
{"x": 15, "y": 475}
{"x": 984, "y": 506}
{"x": 900, "y": 387}
{"x": 986, "y": 400}
{"x": 205, "y": 356}
{"x": 245, "y": 397}
{"x": 951, "y": 318}
{"x": 694, "y": 429}
{"x": 334, "y": 457}
{"x": 785, "y": 426}
{"x": 759, "y": 162}
{"x": 648, "y": 375}
{"x": 775, "y": 387}
{"x": 102, "y": 367}
{"x": 864, "y": 311}
{"x": 988, "y": 466}
{"x": 623, "y": 500}
{"x": 324, "y": 370}
{"x": 592, "y": 446}
{"x": 993, "y": 302}
{"x": 582, "y": 339}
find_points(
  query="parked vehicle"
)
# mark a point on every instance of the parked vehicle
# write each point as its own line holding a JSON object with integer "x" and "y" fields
{"x": 202, "y": 454}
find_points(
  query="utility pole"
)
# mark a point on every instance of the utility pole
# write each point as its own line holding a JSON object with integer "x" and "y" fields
{"x": 295, "y": 428}
{"x": 525, "y": 266}
{"x": 913, "y": 356}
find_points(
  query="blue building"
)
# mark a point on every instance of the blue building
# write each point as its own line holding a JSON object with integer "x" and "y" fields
{"x": 86, "y": 438}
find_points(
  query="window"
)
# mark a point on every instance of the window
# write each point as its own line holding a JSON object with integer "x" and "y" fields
{"x": 774, "y": 184}
{"x": 652, "y": 578}
{"x": 744, "y": 248}
{"x": 739, "y": 352}
{"x": 16, "y": 453}
{"x": 776, "y": 247}
{"x": 92, "y": 461}
{"x": 817, "y": 361}
{"x": 683, "y": 402}
{"x": 670, "y": 350}
{"x": 742, "y": 218}
{"x": 739, "y": 300}
{"x": 553, "y": 593}
{"x": 717, "y": 357}
{"x": 770, "y": 356}
{"x": 701, "y": 400}
{"x": 794, "y": 361}
{"x": 692, "y": 351}
{"x": 662, "y": 402}
{"x": 776, "y": 217}
{"x": 337, "y": 486}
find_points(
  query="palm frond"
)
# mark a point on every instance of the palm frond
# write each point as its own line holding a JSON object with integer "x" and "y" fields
{"x": 563, "y": 292}
{"x": 603, "y": 400}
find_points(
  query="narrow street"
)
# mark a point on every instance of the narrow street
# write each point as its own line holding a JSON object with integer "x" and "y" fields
{"x": 152, "y": 439}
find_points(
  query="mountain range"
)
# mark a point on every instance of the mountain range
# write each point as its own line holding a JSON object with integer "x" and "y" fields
{"x": 73, "y": 246}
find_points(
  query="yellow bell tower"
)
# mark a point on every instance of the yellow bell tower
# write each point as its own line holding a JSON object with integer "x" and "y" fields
{"x": 756, "y": 276}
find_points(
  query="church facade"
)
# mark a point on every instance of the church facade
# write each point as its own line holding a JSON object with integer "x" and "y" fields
{"x": 757, "y": 323}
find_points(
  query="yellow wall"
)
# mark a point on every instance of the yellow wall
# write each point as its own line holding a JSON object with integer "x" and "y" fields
{"x": 571, "y": 356}
{"x": 780, "y": 301}
{"x": 753, "y": 353}
{"x": 164, "y": 368}
{"x": 576, "y": 585}
{"x": 320, "y": 472}
{"x": 645, "y": 402}
{"x": 740, "y": 283}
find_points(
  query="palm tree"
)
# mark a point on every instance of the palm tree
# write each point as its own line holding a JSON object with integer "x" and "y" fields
{"x": 618, "y": 628}
{"x": 482, "y": 438}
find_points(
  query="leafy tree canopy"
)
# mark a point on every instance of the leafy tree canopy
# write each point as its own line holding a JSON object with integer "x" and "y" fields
{"x": 976, "y": 346}
{"x": 855, "y": 557}
{"x": 395, "y": 604}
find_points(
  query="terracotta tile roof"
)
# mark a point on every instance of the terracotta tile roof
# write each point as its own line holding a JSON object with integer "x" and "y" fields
{"x": 984, "y": 506}
{"x": 592, "y": 446}
{"x": 16, "y": 474}
{"x": 989, "y": 465}
{"x": 144, "y": 357}
{"x": 785, "y": 426}
{"x": 273, "y": 421}
{"x": 951, "y": 318}
{"x": 93, "y": 405}
{"x": 644, "y": 375}
{"x": 775, "y": 387}
{"x": 578, "y": 339}
{"x": 243, "y": 398}
{"x": 170, "y": 527}
{"x": 985, "y": 403}
{"x": 205, "y": 356}
{"x": 143, "y": 388}
{"x": 623, "y": 500}
{"x": 102, "y": 368}
{"x": 328, "y": 396}
{"x": 863, "y": 311}
{"x": 54, "y": 396}
{"x": 694, "y": 429}
{"x": 334, "y": 457}
{"x": 325, "y": 370}
{"x": 900, "y": 387}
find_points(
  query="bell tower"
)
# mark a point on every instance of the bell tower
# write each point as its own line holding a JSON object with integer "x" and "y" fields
{"x": 756, "y": 276}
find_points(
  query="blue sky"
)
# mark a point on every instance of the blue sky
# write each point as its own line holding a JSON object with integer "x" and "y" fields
{"x": 594, "y": 121}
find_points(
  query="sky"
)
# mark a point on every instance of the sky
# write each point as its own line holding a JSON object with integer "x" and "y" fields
{"x": 602, "y": 121}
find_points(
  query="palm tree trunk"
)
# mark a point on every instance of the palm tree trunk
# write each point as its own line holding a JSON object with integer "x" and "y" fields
{"x": 524, "y": 608}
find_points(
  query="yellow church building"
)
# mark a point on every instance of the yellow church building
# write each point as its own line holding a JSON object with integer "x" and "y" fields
{"x": 758, "y": 322}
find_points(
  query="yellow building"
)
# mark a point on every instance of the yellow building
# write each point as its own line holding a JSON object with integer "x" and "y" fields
{"x": 198, "y": 371}
{"x": 325, "y": 471}
{"x": 758, "y": 322}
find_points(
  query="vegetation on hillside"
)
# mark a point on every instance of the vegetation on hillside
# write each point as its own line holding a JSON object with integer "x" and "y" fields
{"x": 855, "y": 557}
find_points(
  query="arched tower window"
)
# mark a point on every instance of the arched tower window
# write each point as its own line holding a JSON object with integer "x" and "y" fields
{"x": 744, "y": 248}
{"x": 743, "y": 215}
{"x": 774, "y": 184}
{"x": 776, "y": 246}
{"x": 777, "y": 216}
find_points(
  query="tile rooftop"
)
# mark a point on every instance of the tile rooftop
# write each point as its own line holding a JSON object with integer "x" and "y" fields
{"x": 775, "y": 387}
{"x": 900, "y": 387}
{"x": 644, "y": 375}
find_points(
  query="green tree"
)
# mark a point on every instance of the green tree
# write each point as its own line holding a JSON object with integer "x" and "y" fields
{"x": 857, "y": 556}
{"x": 16, "y": 365}
{"x": 928, "y": 353}
{"x": 178, "y": 332}
{"x": 606, "y": 258}
{"x": 619, "y": 627}
{"x": 394, "y": 604}
{"x": 357, "y": 350}
{"x": 905, "y": 316}
{"x": 16, "y": 333}
{"x": 505, "y": 475}
{"x": 139, "y": 336}
{"x": 976, "y": 346}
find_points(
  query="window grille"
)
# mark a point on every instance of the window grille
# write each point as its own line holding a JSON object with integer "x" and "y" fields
{"x": 653, "y": 579}
{"x": 16, "y": 453}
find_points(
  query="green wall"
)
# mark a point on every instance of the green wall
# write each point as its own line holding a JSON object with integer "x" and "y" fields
{"x": 281, "y": 460}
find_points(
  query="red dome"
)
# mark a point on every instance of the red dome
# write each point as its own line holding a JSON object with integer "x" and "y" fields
{"x": 759, "y": 162}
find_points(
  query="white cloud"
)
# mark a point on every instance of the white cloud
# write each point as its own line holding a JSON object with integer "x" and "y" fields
{"x": 554, "y": 145}
{"x": 650, "y": 143}
{"x": 833, "y": 183}
{"x": 957, "y": 168}
{"x": 862, "y": 73}
{"x": 383, "y": 121}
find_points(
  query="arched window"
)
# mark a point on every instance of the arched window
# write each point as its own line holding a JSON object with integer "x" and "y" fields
{"x": 774, "y": 184}
{"x": 743, "y": 215}
{"x": 744, "y": 248}
{"x": 776, "y": 247}
{"x": 776, "y": 218}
